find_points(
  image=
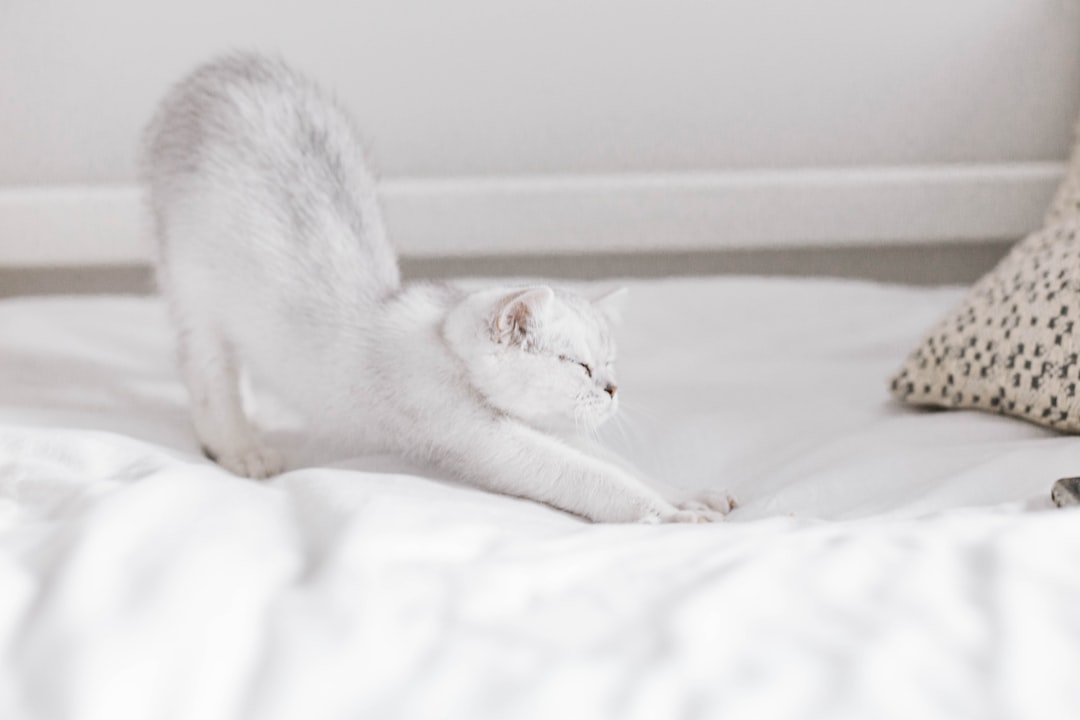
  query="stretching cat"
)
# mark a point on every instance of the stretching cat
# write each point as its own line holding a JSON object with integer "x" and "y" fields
{"x": 273, "y": 256}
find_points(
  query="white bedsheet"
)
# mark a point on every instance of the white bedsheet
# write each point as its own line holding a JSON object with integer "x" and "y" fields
{"x": 884, "y": 562}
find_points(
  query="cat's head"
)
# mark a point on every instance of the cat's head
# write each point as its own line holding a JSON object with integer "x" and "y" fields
{"x": 541, "y": 355}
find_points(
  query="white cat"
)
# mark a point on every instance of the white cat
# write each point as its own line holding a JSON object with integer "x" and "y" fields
{"x": 273, "y": 256}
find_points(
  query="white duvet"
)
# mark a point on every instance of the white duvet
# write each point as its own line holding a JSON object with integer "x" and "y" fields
{"x": 884, "y": 562}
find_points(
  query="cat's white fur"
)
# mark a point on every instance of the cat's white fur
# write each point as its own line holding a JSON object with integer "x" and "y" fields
{"x": 273, "y": 256}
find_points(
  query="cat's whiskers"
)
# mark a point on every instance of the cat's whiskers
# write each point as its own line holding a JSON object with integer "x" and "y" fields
{"x": 636, "y": 422}
{"x": 618, "y": 421}
{"x": 594, "y": 427}
{"x": 587, "y": 418}
{"x": 637, "y": 409}
{"x": 579, "y": 420}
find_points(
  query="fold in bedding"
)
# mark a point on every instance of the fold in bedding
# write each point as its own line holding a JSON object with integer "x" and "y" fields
{"x": 883, "y": 562}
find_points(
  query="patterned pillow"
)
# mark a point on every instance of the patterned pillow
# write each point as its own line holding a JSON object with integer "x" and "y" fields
{"x": 1013, "y": 344}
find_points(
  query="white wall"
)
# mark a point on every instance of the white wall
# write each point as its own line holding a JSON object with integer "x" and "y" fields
{"x": 619, "y": 123}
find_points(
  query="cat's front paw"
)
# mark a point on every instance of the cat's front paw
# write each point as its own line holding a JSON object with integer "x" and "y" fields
{"x": 713, "y": 500}
{"x": 255, "y": 462}
{"x": 710, "y": 506}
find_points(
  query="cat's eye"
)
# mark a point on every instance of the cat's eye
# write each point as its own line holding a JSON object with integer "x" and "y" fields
{"x": 587, "y": 368}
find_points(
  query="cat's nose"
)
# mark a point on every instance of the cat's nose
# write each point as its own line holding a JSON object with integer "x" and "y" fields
{"x": 610, "y": 389}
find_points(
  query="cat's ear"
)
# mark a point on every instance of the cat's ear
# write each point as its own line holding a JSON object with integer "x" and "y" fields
{"x": 520, "y": 312}
{"x": 611, "y": 304}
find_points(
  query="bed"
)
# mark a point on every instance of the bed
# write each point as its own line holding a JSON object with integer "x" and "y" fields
{"x": 882, "y": 562}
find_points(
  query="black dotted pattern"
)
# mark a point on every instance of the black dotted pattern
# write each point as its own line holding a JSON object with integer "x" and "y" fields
{"x": 1013, "y": 344}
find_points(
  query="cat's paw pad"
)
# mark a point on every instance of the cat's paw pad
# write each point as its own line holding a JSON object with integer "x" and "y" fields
{"x": 257, "y": 463}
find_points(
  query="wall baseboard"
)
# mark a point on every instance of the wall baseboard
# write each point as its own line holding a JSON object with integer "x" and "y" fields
{"x": 522, "y": 216}
{"x": 936, "y": 264}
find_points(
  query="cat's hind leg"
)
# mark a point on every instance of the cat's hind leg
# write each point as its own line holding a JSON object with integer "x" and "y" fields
{"x": 212, "y": 375}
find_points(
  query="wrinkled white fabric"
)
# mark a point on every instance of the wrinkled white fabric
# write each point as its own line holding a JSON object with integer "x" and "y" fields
{"x": 884, "y": 562}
